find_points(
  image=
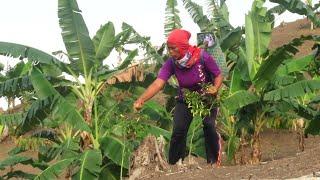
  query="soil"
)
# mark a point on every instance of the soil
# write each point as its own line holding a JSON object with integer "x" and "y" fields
{"x": 281, "y": 159}
{"x": 5, "y": 147}
{"x": 286, "y": 32}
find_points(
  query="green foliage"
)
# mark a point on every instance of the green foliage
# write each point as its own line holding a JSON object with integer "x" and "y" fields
{"x": 104, "y": 42}
{"x": 295, "y": 65}
{"x": 135, "y": 37}
{"x": 239, "y": 99}
{"x": 200, "y": 104}
{"x": 13, "y": 160}
{"x": 258, "y": 35}
{"x": 293, "y": 90}
{"x": 270, "y": 65}
{"x": 11, "y": 120}
{"x": 158, "y": 113}
{"x": 195, "y": 138}
{"x": 297, "y": 6}
{"x": 13, "y": 87}
{"x": 115, "y": 149}
{"x": 76, "y": 36}
{"x": 34, "y": 55}
{"x": 172, "y": 19}
{"x": 53, "y": 171}
{"x": 200, "y": 107}
{"x": 128, "y": 59}
{"x": 63, "y": 109}
{"x": 108, "y": 173}
{"x": 230, "y": 130}
{"x": 314, "y": 126}
{"x": 232, "y": 147}
{"x": 220, "y": 18}
{"x": 18, "y": 174}
{"x": 231, "y": 39}
{"x": 156, "y": 131}
{"x": 90, "y": 165}
{"x": 197, "y": 14}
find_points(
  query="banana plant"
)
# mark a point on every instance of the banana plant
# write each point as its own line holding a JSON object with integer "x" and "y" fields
{"x": 56, "y": 98}
{"x": 260, "y": 68}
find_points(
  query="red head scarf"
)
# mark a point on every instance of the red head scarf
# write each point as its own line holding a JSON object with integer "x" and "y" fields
{"x": 180, "y": 38}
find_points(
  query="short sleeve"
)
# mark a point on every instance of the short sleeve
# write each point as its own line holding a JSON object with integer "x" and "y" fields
{"x": 210, "y": 64}
{"x": 166, "y": 70}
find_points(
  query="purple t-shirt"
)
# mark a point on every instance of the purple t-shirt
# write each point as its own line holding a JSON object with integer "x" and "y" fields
{"x": 190, "y": 78}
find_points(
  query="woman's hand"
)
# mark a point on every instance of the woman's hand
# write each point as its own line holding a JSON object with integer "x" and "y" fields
{"x": 212, "y": 90}
{"x": 137, "y": 105}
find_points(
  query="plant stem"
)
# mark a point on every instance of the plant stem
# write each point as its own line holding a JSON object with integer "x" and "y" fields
{"x": 194, "y": 130}
{"x": 123, "y": 151}
{"x": 96, "y": 120}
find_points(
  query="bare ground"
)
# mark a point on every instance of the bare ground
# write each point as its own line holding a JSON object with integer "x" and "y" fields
{"x": 281, "y": 160}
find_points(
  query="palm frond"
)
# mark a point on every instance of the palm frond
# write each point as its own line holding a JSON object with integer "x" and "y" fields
{"x": 135, "y": 37}
{"x": 280, "y": 81}
{"x": 18, "y": 175}
{"x": 76, "y": 35}
{"x": 277, "y": 10}
{"x": 62, "y": 108}
{"x": 295, "y": 65}
{"x": 53, "y": 171}
{"x": 220, "y": 17}
{"x": 196, "y": 12}
{"x": 115, "y": 150}
{"x": 293, "y": 90}
{"x": 90, "y": 165}
{"x": 38, "y": 111}
{"x": 104, "y": 42}
{"x": 297, "y": 6}
{"x": 271, "y": 64}
{"x": 239, "y": 99}
{"x": 32, "y": 54}
{"x": 13, "y": 160}
{"x": 13, "y": 87}
{"x": 172, "y": 19}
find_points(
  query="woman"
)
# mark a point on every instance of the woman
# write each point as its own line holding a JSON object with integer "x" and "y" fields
{"x": 191, "y": 66}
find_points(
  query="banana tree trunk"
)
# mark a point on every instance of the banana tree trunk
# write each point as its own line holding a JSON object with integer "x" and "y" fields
{"x": 4, "y": 133}
{"x": 299, "y": 127}
{"x": 256, "y": 148}
{"x": 85, "y": 137}
{"x": 301, "y": 140}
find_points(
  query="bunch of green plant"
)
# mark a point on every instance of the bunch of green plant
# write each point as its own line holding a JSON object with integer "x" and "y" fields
{"x": 199, "y": 103}
{"x": 76, "y": 102}
{"x": 229, "y": 130}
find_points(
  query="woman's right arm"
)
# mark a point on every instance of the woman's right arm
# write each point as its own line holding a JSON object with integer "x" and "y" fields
{"x": 153, "y": 89}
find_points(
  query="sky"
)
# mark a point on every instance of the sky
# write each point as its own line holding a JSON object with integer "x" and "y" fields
{"x": 35, "y": 23}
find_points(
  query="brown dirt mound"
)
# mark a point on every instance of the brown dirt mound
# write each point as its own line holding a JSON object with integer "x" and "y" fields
{"x": 281, "y": 159}
{"x": 286, "y": 32}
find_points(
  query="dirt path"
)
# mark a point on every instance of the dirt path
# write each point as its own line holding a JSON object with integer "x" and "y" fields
{"x": 302, "y": 164}
{"x": 281, "y": 160}
{"x": 5, "y": 147}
